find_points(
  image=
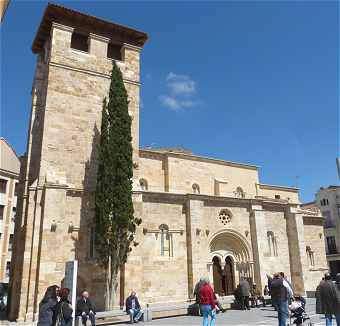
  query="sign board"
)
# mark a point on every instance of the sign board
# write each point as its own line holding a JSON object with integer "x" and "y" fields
{"x": 70, "y": 282}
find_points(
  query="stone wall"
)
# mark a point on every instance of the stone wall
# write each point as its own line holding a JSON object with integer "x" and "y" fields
{"x": 159, "y": 278}
{"x": 275, "y": 222}
{"x": 314, "y": 238}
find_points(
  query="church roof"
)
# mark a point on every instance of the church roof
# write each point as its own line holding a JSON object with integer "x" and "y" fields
{"x": 86, "y": 23}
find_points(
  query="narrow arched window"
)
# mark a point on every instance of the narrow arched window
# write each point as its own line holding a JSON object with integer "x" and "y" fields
{"x": 166, "y": 241}
{"x": 272, "y": 243}
{"x": 143, "y": 184}
{"x": 310, "y": 256}
{"x": 196, "y": 188}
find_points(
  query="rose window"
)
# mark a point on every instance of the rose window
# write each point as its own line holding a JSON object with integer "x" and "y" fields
{"x": 224, "y": 217}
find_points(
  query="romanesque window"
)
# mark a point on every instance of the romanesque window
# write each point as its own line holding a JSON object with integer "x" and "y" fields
{"x": 166, "y": 241}
{"x": 225, "y": 216}
{"x": 196, "y": 188}
{"x": 272, "y": 243}
{"x": 277, "y": 196}
{"x": 143, "y": 184}
{"x": 239, "y": 193}
{"x": 310, "y": 255}
{"x": 79, "y": 42}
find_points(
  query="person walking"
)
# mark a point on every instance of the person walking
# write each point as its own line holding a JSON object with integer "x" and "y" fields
{"x": 207, "y": 301}
{"x": 328, "y": 299}
{"x": 197, "y": 297}
{"x": 245, "y": 293}
{"x": 86, "y": 309}
{"x": 64, "y": 309}
{"x": 47, "y": 306}
{"x": 280, "y": 294}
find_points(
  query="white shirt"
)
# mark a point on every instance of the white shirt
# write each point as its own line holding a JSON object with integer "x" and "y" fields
{"x": 288, "y": 287}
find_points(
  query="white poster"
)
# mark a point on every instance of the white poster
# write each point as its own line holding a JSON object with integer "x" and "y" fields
{"x": 70, "y": 282}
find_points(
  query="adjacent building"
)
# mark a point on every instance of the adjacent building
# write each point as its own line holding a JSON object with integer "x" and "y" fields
{"x": 201, "y": 216}
{"x": 9, "y": 181}
{"x": 328, "y": 201}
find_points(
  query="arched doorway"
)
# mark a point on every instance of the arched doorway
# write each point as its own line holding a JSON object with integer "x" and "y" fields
{"x": 217, "y": 276}
{"x": 229, "y": 280}
{"x": 231, "y": 260}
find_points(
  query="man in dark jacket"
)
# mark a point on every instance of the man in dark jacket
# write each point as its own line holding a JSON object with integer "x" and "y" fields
{"x": 280, "y": 293}
{"x": 85, "y": 309}
{"x": 328, "y": 298}
{"x": 244, "y": 293}
{"x": 133, "y": 308}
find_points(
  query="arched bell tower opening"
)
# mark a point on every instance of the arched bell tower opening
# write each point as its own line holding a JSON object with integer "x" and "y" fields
{"x": 230, "y": 260}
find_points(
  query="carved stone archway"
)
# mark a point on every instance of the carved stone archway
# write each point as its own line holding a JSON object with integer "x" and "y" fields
{"x": 230, "y": 259}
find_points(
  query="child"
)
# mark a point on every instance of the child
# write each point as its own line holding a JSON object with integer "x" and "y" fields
{"x": 297, "y": 307}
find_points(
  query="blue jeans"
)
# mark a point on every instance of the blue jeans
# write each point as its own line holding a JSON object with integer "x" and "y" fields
{"x": 329, "y": 318}
{"x": 135, "y": 315}
{"x": 282, "y": 311}
{"x": 207, "y": 311}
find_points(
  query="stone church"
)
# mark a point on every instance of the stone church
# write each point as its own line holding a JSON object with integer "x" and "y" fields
{"x": 201, "y": 216}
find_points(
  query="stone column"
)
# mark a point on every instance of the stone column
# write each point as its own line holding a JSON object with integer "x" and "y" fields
{"x": 98, "y": 45}
{"x": 297, "y": 248}
{"x": 194, "y": 215}
{"x": 258, "y": 230}
{"x": 61, "y": 36}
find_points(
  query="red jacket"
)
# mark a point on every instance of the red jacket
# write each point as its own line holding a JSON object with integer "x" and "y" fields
{"x": 207, "y": 295}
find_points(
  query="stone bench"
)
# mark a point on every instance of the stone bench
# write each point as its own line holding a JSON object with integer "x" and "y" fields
{"x": 102, "y": 315}
{"x": 166, "y": 311}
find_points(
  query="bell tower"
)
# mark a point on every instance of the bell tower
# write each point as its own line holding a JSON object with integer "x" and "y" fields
{"x": 74, "y": 62}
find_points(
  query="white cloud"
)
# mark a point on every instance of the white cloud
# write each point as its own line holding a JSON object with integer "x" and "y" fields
{"x": 177, "y": 104}
{"x": 170, "y": 102}
{"x": 180, "y": 84}
{"x": 181, "y": 92}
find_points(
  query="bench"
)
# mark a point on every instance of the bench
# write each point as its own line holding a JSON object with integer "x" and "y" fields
{"x": 102, "y": 315}
{"x": 150, "y": 311}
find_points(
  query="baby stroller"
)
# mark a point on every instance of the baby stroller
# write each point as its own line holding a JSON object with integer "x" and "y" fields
{"x": 298, "y": 313}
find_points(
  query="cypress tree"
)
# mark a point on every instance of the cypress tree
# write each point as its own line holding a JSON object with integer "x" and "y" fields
{"x": 114, "y": 214}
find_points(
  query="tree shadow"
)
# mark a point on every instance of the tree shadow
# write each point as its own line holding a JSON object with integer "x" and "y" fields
{"x": 90, "y": 274}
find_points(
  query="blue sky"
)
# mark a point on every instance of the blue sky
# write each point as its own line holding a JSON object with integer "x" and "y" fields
{"x": 252, "y": 82}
